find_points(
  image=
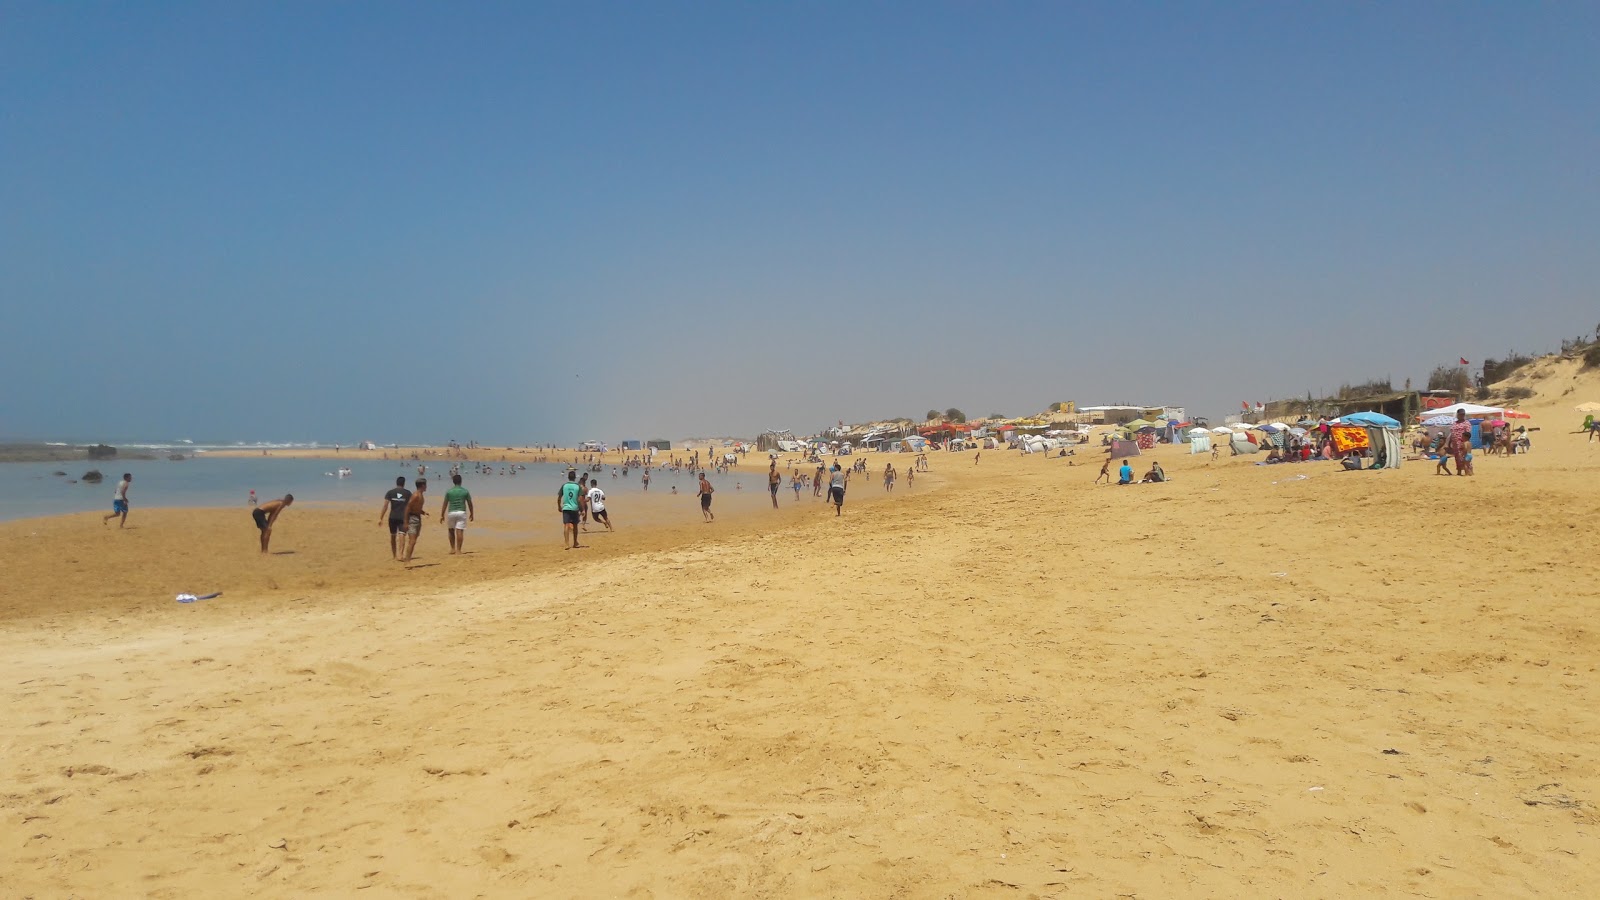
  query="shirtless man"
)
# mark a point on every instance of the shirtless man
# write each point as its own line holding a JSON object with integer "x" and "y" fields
{"x": 818, "y": 480}
{"x": 774, "y": 481}
{"x": 414, "y": 516}
{"x": 266, "y": 514}
{"x": 704, "y": 493}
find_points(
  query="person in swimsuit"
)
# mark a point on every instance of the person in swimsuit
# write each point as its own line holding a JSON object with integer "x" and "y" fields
{"x": 394, "y": 509}
{"x": 266, "y": 514}
{"x": 774, "y": 481}
{"x": 704, "y": 493}
{"x": 414, "y": 516}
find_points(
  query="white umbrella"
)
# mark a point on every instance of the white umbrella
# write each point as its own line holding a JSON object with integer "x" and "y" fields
{"x": 1222, "y": 431}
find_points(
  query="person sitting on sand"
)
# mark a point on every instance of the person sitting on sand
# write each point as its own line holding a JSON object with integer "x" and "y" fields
{"x": 1125, "y": 474}
{"x": 266, "y": 514}
{"x": 1156, "y": 475}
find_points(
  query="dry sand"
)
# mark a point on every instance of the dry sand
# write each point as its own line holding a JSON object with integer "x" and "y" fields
{"x": 1014, "y": 684}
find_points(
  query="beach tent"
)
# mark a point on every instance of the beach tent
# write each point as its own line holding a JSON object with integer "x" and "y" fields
{"x": 1199, "y": 441}
{"x": 1119, "y": 449}
{"x": 1473, "y": 410}
{"x": 1241, "y": 443}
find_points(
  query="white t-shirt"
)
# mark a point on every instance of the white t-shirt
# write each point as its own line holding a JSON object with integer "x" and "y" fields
{"x": 122, "y": 491}
{"x": 597, "y": 500}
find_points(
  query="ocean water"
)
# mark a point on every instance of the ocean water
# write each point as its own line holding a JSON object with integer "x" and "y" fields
{"x": 29, "y": 489}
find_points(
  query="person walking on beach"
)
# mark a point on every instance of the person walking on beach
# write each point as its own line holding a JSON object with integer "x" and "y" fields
{"x": 818, "y": 479}
{"x": 836, "y": 486}
{"x": 1460, "y": 441}
{"x": 266, "y": 514}
{"x": 394, "y": 509}
{"x": 583, "y": 501}
{"x": 704, "y": 493}
{"x": 414, "y": 515}
{"x": 567, "y": 502}
{"x": 119, "y": 501}
{"x": 774, "y": 481}
{"x": 456, "y": 512}
{"x": 597, "y": 506}
{"x": 1105, "y": 472}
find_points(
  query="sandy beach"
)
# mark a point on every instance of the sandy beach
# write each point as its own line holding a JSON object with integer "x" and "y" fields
{"x": 1008, "y": 683}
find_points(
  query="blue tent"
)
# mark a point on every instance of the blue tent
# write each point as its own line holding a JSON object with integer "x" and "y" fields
{"x": 1373, "y": 419}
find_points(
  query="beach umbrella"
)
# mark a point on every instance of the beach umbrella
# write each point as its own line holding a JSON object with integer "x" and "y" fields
{"x": 1298, "y": 432}
{"x": 1495, "y": 423}
{"x": 1375, "y": 419}
{"x": 1438, "y": 420}
{"x": 1221, "y": 430}
{"x": 1516, "y": 414}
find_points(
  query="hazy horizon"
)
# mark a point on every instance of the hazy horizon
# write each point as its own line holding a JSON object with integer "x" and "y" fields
{"x": 549, "y": 223}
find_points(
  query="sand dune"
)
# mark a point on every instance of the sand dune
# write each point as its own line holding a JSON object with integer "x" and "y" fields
{"x": 1241, "y": 682}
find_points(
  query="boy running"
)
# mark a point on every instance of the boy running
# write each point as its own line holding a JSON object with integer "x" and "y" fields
{"x": 119, "y": 501}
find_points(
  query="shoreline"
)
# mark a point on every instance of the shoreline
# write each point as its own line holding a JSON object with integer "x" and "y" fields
{"x": 326, "y": 548}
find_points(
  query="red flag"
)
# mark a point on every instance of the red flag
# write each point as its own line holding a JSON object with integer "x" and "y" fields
{"x": 1244, "y": 404}
{"x": 1464, "y": 362}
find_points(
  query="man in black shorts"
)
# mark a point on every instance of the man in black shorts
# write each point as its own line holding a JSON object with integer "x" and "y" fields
{"x": 705, "y": 498}
{"x": 774, "y": 481}
{"x": 394, "y": 506}
{"x": 266, "y": 514}
{"x": 836, "y": 485}
{"x": 569, "y": 502}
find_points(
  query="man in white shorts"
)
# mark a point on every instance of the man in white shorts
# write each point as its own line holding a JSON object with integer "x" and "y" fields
{"x": 597, "y": 506}
{"x": 456, "y": 512}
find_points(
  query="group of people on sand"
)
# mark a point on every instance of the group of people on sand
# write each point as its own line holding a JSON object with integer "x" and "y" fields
{"x": 580, "y": 500}
{"x": 404, "y": 511}
{"x": 1156, "y": 475}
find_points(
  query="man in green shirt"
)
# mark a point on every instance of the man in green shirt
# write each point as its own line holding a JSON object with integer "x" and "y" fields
{"x": 567, "y": 501}
{"x": 456, "y": 513}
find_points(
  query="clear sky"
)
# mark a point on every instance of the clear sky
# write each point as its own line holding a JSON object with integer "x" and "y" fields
{"x": 520, "y": 222}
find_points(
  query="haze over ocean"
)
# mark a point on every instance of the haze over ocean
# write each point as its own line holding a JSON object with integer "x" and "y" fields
{"x": 519, "y": 223}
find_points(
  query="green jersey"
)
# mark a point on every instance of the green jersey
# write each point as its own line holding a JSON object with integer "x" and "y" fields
{"x": 569, "y": 496}
{"x": 455, "y": 499}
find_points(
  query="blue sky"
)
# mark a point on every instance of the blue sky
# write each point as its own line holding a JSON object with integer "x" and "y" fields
{"x": 523, "y": 222}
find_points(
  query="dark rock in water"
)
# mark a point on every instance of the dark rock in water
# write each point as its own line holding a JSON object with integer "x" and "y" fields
{"x": 59, "y": 474}
{"x": 92, "y": 476}
{"x": 176, "y": 457}
{"x": 102, "y": 451}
